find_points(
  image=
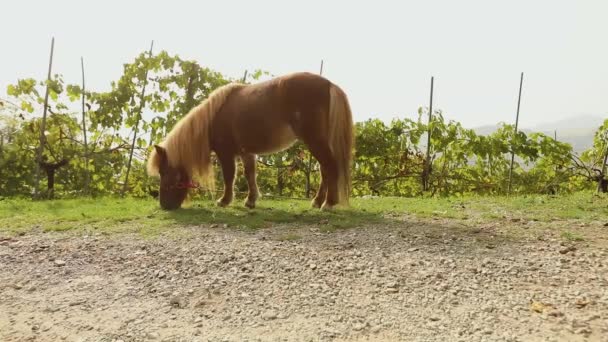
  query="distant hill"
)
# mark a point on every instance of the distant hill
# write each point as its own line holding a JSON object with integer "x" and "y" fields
{"x": 577, "y": 131}
{"x": 584, "y": 121}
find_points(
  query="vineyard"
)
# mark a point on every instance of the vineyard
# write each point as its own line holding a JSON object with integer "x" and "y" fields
{"x": 96, "y": 144}
{"x": 451, "y": 235}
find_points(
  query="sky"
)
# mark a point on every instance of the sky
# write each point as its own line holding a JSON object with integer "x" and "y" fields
{"x": 382, "y": 53}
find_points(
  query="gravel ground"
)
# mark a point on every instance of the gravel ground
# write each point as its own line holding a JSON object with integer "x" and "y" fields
{"x": 410, "y": 282}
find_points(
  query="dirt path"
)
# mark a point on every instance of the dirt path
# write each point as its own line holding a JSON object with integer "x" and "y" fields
{"x": 297, "y": 284}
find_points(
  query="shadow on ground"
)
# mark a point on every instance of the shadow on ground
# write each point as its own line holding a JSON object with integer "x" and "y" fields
{"x": 295, "y": 223}
{"x": 236, "y": 216}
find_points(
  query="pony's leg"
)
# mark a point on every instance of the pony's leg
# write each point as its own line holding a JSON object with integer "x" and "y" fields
{"x": 229, "y": 170}
{"x": 319, "y": 198}
{"x": 329, "y": 173}
{"x": 249, "y": 166}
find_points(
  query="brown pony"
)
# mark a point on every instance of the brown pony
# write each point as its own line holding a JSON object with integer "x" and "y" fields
{"x": 239, "y": 120}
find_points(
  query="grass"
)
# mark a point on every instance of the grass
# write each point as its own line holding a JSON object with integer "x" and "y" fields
{"x": 572, "y": 236}
{"x": 144, "y": 216}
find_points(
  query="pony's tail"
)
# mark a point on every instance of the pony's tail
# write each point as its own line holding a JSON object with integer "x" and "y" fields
{"x": 341, "y": 139}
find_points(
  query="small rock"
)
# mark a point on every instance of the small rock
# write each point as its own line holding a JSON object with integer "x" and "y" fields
{"x": 161, "y": 275}
{"x": 312, "y": 266}
{"x": 359, "y": 326}
{"x": 434, "y": 318}
{"x": 413, "y": 249}
{"x": 76, "y": 302}
{"x": 375, "y": 329}
{"x": 392, "y": 285}
{"x": 59, "y": 262}
{"x": 51, "y": 309}
{"x": 270, "y": 315}
{"x": 567, "y": 250}
{"x": 583, "y": 331}
{"x": 153, "y": 335}
{"x": 177, "y": 302}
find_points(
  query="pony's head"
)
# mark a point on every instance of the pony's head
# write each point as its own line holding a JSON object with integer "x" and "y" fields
{"x": 174, "y": 181}
{"x": 186, "y": 152}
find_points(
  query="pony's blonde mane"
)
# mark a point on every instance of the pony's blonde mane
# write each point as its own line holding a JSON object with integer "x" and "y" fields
{"x": 187, "y": 144}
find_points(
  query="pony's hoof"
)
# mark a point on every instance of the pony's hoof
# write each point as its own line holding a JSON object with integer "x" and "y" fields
{"x": 250, "y": 204}
{"x": 327, "y": 207}
{"x": 222, "y": 203}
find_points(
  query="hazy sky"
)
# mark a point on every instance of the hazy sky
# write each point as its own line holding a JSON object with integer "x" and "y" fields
{"x": 383, "y": 55}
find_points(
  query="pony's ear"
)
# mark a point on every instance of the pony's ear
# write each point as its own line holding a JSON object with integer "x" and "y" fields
{"x": 161, "y": 151}
{"x": 162, "y": 157}
{"x": 158, "y": 161}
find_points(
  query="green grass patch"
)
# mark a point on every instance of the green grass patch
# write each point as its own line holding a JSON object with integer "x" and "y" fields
{"x": 144, "y": 216}
{"x": 571, "y": 236}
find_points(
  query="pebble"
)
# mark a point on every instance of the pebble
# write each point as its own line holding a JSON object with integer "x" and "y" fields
{"x": 153, "y": 335}
{"x": 359, "y": 326}
{"x": 177, "y": 301}
{"x": 59, "y": 262}
{"x": 270, "y": 315}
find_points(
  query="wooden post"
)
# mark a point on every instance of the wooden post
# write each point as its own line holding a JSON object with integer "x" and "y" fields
{"x": 309, "y": 164}
{"x": 602, "y": 184}
{"x": 141, "y": 107}
{"x": 43, "y": 124}
{"x": 555, "y": 138}
{"x": 427, "y": 162}
{"x": 245, "y": 76}
{"x": 84, "y": 133}
{"x": 521, "y": 81}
